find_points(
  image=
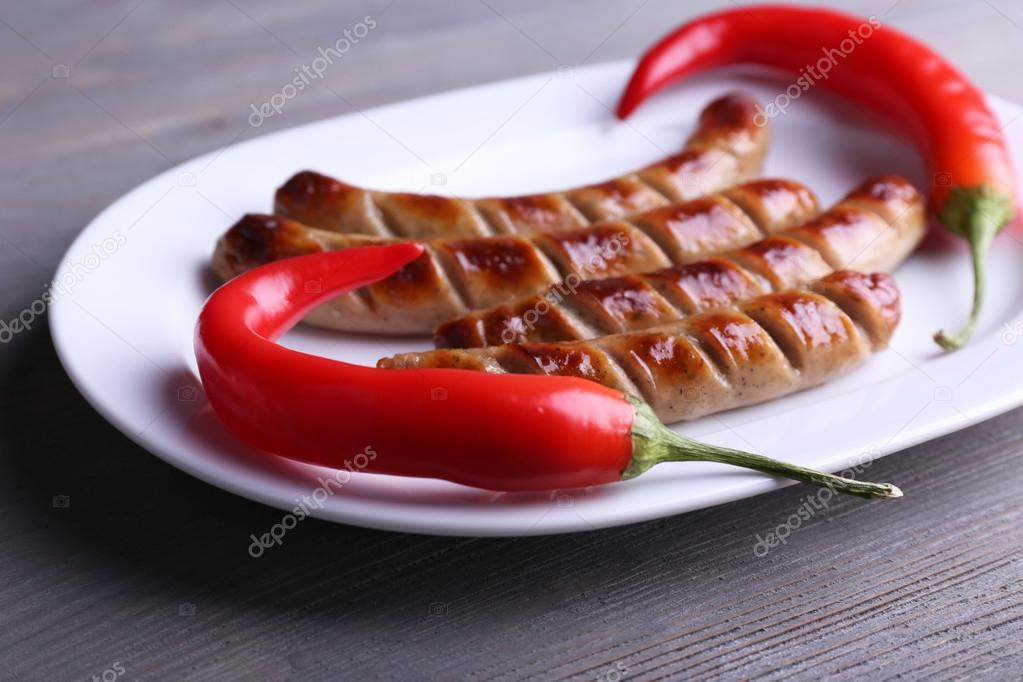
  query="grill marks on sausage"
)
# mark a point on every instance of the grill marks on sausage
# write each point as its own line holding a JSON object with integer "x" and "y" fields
{"x": 255, "y": 240}
{"x": 841, "y": 234}
{"x": 657, "y": 360}
{"x": 771, "y": 199}
{"x": 730, "y": 123}
{"x": 693, "y": 173}
{"x": 477, "y": 273}
{"x": 315, "y": 199}
{"x": 872, "y": 301}
{"x": 891, "y": 197}
{"x": 761, "y": 349}
{"x": 878, "y": 223}
{"x": 726, "y": 148}
{"x": 704, "y": 284}
{"x": 622, "y": 302}
{"x": 414, "y": 215}
{"x": 613, "y": 248}
{"x": 813, "y": 336}
{"x": 484, "y": 270}
{"x": 602, "y": 250}
{"x": 695, "y": 228}
{"x": 780, "y": 261}
{"x": 852, "y": 234}
{"x": 616, "y": 198}
{"x": 412, "y": 285}
{"x": 571, "y": 361}
{"x": 534, "y": 213}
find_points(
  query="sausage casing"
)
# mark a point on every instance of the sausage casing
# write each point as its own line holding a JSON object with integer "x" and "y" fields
{"x": 873, "y": 228}
{"x": 754, "y": 351}
{"x": 727, "y": 148}
{"x": 454, "y": 276}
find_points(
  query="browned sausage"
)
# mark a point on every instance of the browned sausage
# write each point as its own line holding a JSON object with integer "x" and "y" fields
{"x": 727, "y": 148}
{"x": 759, "y": 349}
{"x": 455, "y": 276}
{"x": 873, "y": 228}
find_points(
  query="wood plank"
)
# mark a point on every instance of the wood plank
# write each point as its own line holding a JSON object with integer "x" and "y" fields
{"x": 147, "y": 569}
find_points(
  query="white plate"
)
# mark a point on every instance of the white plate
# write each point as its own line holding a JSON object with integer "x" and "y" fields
{"x": 132, "y": 285}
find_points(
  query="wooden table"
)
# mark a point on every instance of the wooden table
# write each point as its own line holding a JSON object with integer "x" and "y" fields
{"x": 115, "y": 565}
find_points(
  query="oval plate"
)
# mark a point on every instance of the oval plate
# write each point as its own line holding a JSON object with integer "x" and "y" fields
{"x": 128, "y": 292}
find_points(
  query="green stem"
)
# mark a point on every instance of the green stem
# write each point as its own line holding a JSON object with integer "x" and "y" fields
{"x": 653, "y": 443}
{"x": 977, "y": 214}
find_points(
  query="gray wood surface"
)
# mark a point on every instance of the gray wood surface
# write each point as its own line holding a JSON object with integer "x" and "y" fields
{"x": 115, "y": 565}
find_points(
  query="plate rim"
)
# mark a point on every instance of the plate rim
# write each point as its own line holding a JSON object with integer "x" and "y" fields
{"x": 242, "y": 486}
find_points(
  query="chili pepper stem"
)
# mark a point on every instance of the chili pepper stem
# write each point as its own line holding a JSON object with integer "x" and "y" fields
{"x": 977, "y": 214}
{"x": 655, "y": 443}
{"x": 978, "y": 253}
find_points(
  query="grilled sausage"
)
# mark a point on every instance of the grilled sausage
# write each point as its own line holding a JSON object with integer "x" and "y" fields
{"x": 757, "y": 350}
{"x": 727, "y": 148}
{"x": 873, "y": 228}
{"x": 455, "y": 276}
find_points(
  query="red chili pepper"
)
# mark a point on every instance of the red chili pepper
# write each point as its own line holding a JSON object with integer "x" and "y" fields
{"x": 500, "y": 432}
{"x": 890, "y": 74}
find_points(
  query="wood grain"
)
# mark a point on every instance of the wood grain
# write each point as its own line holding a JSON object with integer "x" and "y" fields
{"x": 147, "y": 569}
